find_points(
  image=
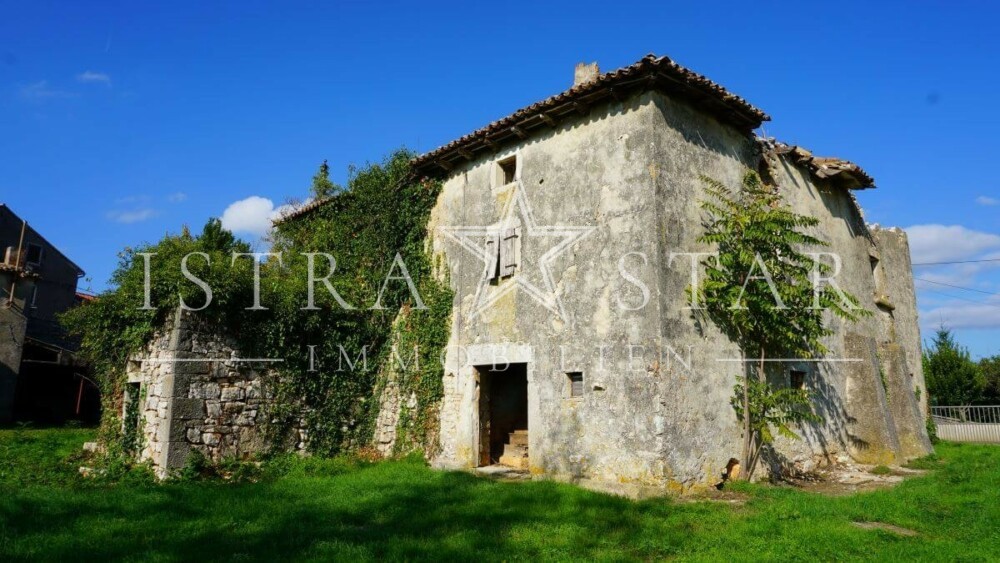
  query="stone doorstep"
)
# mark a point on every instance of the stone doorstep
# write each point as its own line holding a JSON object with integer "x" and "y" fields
{"x": 519, "y": 439}
{"x": 515, "y": 451}
{"x": 515, "y": 461}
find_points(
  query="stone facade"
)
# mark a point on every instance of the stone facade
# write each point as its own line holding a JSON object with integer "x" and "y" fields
{"x": 194, "y": 394}
{"x": 657, "y": 380}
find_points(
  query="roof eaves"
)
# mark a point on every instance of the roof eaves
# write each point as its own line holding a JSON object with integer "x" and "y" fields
{"x": 650, "y": 72}
{"x": 300, "y": 211}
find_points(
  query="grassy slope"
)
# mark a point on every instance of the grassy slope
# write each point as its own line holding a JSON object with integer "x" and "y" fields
{"x": 324, "y": 510}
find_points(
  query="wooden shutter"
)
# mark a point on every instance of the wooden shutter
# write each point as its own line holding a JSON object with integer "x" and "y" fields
{"x": 492, "y": 254}
{"x": 509, "y": 255}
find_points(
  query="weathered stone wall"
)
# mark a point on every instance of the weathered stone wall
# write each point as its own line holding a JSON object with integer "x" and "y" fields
{"x": 648, "y": 415}
{"x": 657, "y": 380}
{"x": 862, "y": 416}
{"x": 894, "y": 249}
{"x": 195, "y": 395}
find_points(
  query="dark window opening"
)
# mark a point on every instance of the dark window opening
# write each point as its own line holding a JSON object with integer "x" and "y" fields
{"x": 33, "y": 254}
{"x": 131, "y": 438}
{"x": 797, "y": 379}
{"x": 575, "y": 384}
{"x": 507, "y": 169}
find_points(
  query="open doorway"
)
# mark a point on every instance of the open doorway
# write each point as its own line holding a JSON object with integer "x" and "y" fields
{"x": 503, "y": 415}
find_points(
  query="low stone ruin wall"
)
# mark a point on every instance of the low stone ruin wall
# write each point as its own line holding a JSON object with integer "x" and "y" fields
{"x": 189, "y": 392}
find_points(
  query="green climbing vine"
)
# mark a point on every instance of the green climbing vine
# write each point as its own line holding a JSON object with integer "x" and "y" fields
{"x": 365, "y": 243}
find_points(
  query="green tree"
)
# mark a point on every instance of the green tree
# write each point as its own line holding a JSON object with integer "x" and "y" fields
{"x": 322, "y": 186}
{"x": 113, "y": 327}
{"x": 760, "y": 292}
{"x": 952, "y": 377}
{"x": 990, "y": 368}
{"x": 215, "y": 237}
{"x": 383, "y": 214}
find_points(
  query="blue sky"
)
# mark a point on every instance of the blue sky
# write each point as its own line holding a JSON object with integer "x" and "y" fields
{"x": 123, "y": 121}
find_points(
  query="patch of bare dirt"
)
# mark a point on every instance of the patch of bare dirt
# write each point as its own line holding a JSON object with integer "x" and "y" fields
{"x": 887, "y": 527}
{"x": 724, "y": 495}
{"x": 850, "y": 478}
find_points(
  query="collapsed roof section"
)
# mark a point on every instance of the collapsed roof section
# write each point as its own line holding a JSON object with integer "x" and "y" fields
{"x": 841, "y": 173}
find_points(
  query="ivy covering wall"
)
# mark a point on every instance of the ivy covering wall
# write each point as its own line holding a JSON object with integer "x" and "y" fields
{"x": 336, "y": 352}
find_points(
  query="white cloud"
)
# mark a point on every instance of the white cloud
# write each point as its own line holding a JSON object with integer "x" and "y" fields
{"x": 89, "y": 76}
{"x": 963, "y": 314}
{"x": 251, "y": 215}
{"x": 177, "y": 197}
{"x": 41, "y": 91}
{"x": 132, "y": 199}
{"x": 989, "y": 201}
{"x": 947, "y": 243}
{"x": 254, "y": 215}
{"x": 131, "y": 216}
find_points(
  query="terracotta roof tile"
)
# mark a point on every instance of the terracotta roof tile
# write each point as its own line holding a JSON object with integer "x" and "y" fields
{"x": 840, "y": 172}
{"x": 649, "y": 72}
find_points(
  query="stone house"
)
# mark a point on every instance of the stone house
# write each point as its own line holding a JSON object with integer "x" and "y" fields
{"x": 573, "y": 350}
{"x": 577, "y": 202}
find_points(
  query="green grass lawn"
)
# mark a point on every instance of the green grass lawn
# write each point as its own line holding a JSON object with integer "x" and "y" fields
{"x": 322, "y": 509}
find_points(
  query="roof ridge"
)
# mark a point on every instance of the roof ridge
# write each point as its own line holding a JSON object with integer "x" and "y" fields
{"x": 651, "y": 71}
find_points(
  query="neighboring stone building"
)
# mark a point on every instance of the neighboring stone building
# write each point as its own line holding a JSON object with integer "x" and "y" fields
{"x": 573, "y": 352}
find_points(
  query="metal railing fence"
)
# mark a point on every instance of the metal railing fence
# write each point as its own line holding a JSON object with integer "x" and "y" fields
{"x": 968, "y": 424}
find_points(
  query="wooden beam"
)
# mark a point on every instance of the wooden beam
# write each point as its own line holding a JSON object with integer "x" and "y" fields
{"x": 580, "y": 108}
{"x": 519, "y": 132}
{"x": 547, "y": 119}
{"x": 465, "y": 154}
{"x": 444, "y": 164}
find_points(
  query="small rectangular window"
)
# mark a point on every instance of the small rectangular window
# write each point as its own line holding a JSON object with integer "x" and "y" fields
{"x": 797, "y": 379}
{"x": 33, "y": 255}
{"x": 575, "y": 384}
{"x": 508, "y": 169}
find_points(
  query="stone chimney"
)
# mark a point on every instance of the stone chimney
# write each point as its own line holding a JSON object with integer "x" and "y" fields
{"x": 585, "y": 73}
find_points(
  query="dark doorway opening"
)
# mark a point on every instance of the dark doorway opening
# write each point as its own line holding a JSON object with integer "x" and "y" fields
{"x": 53, "y": 388}
{"x": 503, "y": 409}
